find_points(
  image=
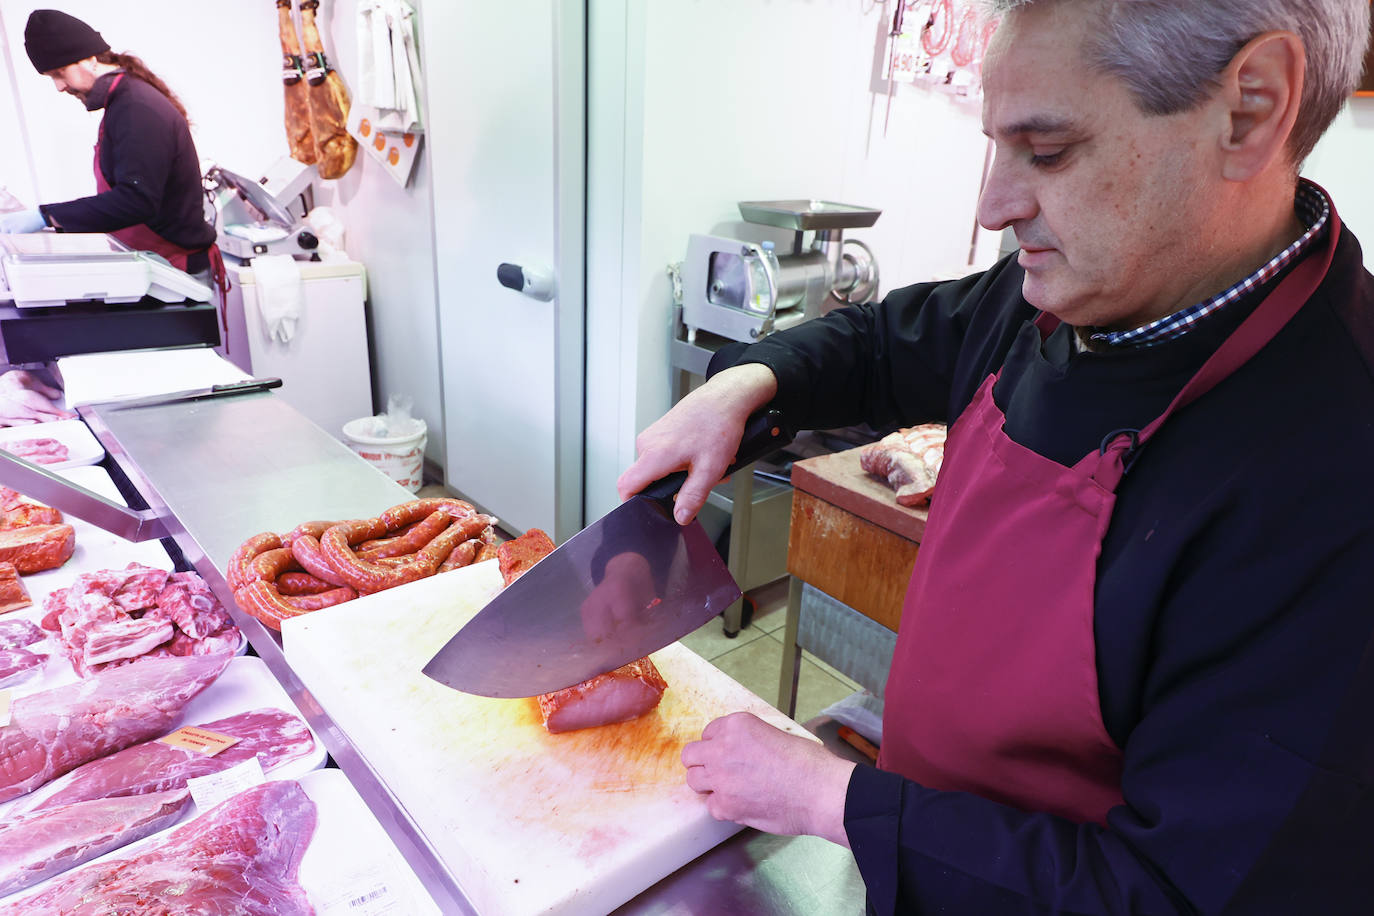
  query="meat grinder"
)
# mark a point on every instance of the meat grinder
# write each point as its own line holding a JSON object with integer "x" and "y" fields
{"x": 744, "y": 290}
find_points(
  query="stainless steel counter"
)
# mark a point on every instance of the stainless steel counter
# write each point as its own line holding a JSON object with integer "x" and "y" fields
{"x": 226, "y": 468}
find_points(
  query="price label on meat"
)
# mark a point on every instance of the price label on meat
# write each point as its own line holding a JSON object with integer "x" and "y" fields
{"x": 208, "y": 791}
{"x": 200, "y": 740}
{"x": 367, "y": 894}
{"x": 4, "y": 708}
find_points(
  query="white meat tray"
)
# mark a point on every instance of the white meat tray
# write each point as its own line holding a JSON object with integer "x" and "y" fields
{"x": 246, "y": 684}
{"x": 82, "y": 446}
{"x": 350, "y": 867}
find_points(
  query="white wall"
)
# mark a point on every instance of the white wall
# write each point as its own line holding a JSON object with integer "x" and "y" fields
{"x": 223, "y": 59}
{"x": 712, "y": 102}
{"x": 1341, "y": 163}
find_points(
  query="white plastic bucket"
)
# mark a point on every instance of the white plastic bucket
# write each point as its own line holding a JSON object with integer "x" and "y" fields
{"x": 402, "y": 458}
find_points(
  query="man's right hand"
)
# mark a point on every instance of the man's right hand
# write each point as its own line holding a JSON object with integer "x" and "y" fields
{"x": 701, "y": 434}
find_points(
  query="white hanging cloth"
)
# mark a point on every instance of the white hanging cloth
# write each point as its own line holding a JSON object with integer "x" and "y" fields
{"x": 389, "y": 65}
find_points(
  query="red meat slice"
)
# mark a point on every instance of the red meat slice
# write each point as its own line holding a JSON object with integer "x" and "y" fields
{"x": 626, "y": 693}
{"x": 241, "y": 857}
{"x": 140, "y": 588}
{"x": 273, "y": 736}
{"x": 37, "y": 846}
{"x": 57, "y": 730}
{"x": 121, "y": 639}
{"x": 188, "y": 602}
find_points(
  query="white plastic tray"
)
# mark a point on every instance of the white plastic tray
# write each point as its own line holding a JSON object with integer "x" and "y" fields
{"x": 82, "y": 446}
{"x": 139, "y": 373}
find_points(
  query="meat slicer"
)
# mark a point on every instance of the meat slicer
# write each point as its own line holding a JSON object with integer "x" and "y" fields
{"x": 264, "y": 216}
{"x": 744, "y": 291}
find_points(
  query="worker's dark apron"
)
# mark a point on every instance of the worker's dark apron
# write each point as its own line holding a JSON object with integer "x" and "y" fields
{"x": 142, "y": 238}
{"x": 993, "y": 688}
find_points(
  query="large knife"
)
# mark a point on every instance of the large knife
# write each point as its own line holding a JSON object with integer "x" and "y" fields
{"x": 623, "y": 587}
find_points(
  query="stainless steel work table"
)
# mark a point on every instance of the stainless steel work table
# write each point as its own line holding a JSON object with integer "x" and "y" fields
{"x": 221, "y": 469}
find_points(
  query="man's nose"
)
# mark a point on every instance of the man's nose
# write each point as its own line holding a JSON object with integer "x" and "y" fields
{"x": 60, "y": 83}
{"x": 1006, "y": 198}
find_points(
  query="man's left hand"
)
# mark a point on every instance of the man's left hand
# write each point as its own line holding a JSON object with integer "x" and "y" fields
{"x": 762, "y": 777}
{"x": 22, "y": 222}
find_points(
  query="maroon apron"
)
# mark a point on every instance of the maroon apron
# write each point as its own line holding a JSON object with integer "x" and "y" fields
{"x": 142, "y": 238}
{"x": 993, "y": 688}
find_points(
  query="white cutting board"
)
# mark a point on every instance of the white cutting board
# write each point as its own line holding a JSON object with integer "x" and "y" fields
{"x": 527, "y": 822}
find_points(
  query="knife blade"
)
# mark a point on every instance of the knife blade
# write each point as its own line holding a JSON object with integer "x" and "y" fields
{"x": 625, "y": 586}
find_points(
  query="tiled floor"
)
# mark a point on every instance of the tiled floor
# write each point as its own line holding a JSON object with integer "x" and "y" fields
{"x": 754, "y": 657}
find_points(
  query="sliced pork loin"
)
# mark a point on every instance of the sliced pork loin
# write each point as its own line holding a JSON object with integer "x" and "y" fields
{"x": 273, "y": 736}
{"x": 57, "y": 730}
{"x": 241, "y": 857}
{"x": 909, "y": 461}
{"x": 37, "y": 846}
{"x": 626, "y": 693}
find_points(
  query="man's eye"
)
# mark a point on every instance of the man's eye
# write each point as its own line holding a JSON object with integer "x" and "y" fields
{"x": 1046, "y": 160}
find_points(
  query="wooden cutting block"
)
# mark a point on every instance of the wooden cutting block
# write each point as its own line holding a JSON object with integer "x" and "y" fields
{"x": 526, "y": 822}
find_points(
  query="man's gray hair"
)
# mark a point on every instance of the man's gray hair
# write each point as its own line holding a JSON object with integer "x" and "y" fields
{"x": 1169, "y": 52}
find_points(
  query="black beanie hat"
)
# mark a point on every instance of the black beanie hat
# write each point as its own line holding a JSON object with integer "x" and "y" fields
{"x": 54, "y": 40}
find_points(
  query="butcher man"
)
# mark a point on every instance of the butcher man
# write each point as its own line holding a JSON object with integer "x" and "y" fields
{"x": 1134, "y": 672}
{"x": 147, "y": 173}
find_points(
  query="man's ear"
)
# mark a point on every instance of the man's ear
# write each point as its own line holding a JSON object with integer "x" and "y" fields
{"x": 1262, "y": 89}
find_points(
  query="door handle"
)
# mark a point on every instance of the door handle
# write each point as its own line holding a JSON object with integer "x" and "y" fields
{"x": 535, "y": 282}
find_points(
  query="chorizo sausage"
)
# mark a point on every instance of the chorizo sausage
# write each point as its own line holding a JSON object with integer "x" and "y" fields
{"x": 462, "y": 555}
{"x": 262, "y": 600}
{"x": 364, "y": 575}
{"x": 406, "y": 513}
{"x": 249, "y": 549}
{"x": 416, "y": 537}
{"x": 300, "y": 583}
{"x": 268, "y": 565}
{"x": 307, "y": 552}
{"x": 314, "y": 529}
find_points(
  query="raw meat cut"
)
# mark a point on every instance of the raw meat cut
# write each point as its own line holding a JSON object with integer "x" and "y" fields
{"x": 110, "y": 616}
{"x": 273, "y": 736}
{"x": 18, "y": 511}
{"x": 18, "y": 665}
{"x": 13, "y": 594}
{"x": 126, "y": 638}
{"x": 241, "y": 857}
{"x": 16, "y": 634}
{"x": 37, "y": 846}
{"x": 35, "y": 548}
{"x": 518, "y": 556}
{"x": 57, "y": 730}
{"x": 908, "y": 460}
{"x": 626, "y": 693}
{"x": 38, "y": 451}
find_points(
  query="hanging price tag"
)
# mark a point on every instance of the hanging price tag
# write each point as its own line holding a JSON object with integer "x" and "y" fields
{"x": 902, "y": 57}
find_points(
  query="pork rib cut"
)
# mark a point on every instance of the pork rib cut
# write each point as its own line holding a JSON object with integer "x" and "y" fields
{"x": 37, "y": 846}
{"x": 57, "y": 730}
{"x": 241, "y": 857}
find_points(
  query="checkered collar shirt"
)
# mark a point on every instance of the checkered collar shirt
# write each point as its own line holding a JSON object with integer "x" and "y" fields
{"x": 1312, "y": 208}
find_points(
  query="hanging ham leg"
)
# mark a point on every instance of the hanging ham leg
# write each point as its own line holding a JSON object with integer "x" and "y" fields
{"x": 328, "y": 100}
{"x": 298, "y": 133}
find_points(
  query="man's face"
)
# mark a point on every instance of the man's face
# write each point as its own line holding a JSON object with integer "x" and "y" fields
{"x": 75, "y": 79}
{"x": 1111, "y": 207}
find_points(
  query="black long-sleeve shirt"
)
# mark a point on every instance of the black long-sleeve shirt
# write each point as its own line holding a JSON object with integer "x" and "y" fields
{"x": 1234, "y": 603}
{"x": 149, "y": 160}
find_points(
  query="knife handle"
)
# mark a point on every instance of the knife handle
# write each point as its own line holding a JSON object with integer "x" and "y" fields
{"x": 764, "y": 432}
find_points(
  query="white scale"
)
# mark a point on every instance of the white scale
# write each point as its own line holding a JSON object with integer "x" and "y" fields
{"x": 45, "y": 269}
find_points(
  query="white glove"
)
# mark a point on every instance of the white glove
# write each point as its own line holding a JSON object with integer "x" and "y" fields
{"x": 23, "y": 222}
{"x": 24, "y": 399}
